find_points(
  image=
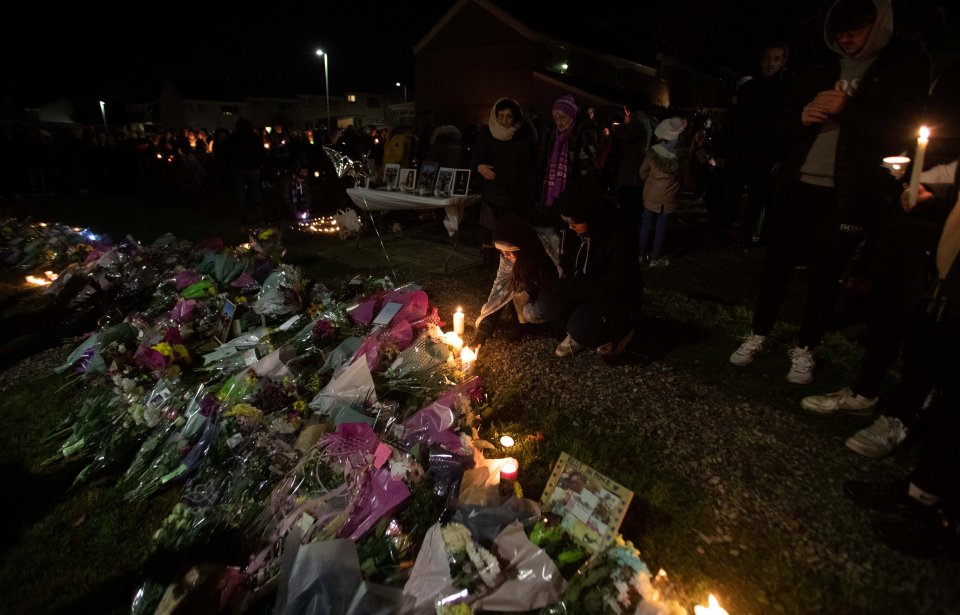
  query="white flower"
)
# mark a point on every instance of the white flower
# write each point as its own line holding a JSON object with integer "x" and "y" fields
{"x": 486, "y": 564}
{"x": 456, "y": 537}
{"x": 151, "y": 416}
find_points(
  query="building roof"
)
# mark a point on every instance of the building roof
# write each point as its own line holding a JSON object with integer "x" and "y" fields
{"x": 598, "y": 38}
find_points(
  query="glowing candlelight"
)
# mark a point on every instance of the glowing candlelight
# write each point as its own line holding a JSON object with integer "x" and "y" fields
{"x": 508, "y": 471}
{"x": 452, "y": 339}
{"x": 467, "y": 355}
{"x": 922, "y": 142}
{"x": 506, "y": 441}
{"x": 713, "y": 609}
{"x": 458, "y": 319}
{"x": 35, "y": 280}
{"x": 896, "y": 165}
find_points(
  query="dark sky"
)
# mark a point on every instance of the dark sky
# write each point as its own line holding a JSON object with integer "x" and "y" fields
{"x": 123, "y": 49}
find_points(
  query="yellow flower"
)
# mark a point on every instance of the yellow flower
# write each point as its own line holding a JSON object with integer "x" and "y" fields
{"x": 300, "y": 406}
{"x": 165, "y": 349}
{"x": 240, "y": 299}
{"x": 267, "y": 234}
{"x": 182, "y": 353}
{"x": 245, "y": 410}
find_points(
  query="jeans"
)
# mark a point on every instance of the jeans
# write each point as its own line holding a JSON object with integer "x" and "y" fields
{"x": 661, "y": 231}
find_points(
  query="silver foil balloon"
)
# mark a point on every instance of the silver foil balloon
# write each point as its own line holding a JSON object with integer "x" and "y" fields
{"x": 345, "y": 166}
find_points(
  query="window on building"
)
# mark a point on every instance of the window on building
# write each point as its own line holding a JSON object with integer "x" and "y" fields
{"x": 351, "y": 98}
{"x": 229, "y": 110}
{"x": 373, "y": 101}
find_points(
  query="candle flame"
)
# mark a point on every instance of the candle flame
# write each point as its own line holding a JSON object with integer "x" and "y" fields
{"x": 35, "y": 280}
{"x": 509, "y": 467}
{"x": 713, "y": 609}
{"x": 452, "y": 339}
{"x": 467, "y": 355}
{"x": 506, "y": 441}
{"x": 924, "y": 133}
{"x": 459, "y": 309}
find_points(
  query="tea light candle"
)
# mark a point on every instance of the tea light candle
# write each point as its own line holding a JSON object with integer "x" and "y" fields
{"x": 452, "y": 339}
{"x": 922, "y": 142}
{"x": 508, "y": 471}
{"x": 506, "y": 441}
{"x": 458, "y": 317}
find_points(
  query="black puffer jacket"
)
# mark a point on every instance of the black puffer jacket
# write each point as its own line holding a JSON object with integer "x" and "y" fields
{"x": 880, "y": 120}
{"x": 514, "y": 163}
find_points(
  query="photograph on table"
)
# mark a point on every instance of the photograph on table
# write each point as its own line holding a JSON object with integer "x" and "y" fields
{"x": 391, "y": 176}
{"x": 461, "y": 182}
{"x": 444, "y": 181}
{"x": 428, "y": 177}
{"x": 408, "y": 179}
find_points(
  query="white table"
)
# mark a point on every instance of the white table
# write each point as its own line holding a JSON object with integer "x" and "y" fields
{"x": 382, "y": 200}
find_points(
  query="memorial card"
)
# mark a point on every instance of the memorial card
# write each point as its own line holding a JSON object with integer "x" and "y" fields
{"x": 591, "y": 505}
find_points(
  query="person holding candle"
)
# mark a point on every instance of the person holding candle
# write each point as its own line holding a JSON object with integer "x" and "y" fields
{"x": 928, "y": 502}
{"x": 524, "y": 268}
{"x": 906, "y": 240}
{"x": 840, "y": 123}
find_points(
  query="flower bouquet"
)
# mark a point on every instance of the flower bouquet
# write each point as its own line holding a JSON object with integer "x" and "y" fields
{"x": 614, "y": 580}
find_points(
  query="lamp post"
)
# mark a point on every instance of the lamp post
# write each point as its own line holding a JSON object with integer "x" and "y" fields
{"x": 326, "y": 81}
{"x": 103, "y": 112}
{"x": 400, "y": 85}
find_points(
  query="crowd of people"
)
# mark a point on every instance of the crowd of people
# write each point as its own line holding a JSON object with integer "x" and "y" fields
{"x": 575, "y": 205}
{"x": 808, "y": 149}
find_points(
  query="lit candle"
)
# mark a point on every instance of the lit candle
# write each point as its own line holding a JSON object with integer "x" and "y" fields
{"x": 458, "y": 317}
{"x": 467, "y": 355}
{"x": 506, "y": 441}
{"x": 713, "y": 609}
{"x": 918, "y": 164}
{"x": 508, "y": 471}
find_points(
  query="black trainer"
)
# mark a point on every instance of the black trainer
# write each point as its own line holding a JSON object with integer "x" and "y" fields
{"x": 921, "y": 533}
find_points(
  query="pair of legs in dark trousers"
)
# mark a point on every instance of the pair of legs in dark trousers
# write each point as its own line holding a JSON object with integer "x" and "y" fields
{"x": 591, "y": 323}
{"x": 931, "y": 359}
{"x": 806, "y": 229}
{"x": 900, "y": 256}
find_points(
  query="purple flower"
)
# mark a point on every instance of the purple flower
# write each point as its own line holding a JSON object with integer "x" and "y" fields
{"x": 209, "y": 405}
{"x": 322, "y": 330}
{"x": 85, "y": 361}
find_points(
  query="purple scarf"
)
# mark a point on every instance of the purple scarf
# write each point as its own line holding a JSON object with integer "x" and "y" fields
{"x": 557, "y": 172}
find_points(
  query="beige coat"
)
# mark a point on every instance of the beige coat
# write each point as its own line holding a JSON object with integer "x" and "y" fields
{"x": 662, "y": 177}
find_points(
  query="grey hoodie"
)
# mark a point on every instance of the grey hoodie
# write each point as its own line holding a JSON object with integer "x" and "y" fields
{"x": 819, "y": 165}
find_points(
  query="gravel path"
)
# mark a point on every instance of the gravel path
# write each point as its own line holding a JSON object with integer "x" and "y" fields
{"x": 771, "y": 470}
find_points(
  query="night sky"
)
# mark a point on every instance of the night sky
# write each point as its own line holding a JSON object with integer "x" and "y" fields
{"x": 122, "y": 50}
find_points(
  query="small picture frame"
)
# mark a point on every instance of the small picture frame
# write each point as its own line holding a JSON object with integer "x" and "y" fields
{"x": 428, "y": 177}
{"x": 461, "y": 182}
{"x": 444, "y": 181}
{"x": 223, "y": 330}
{"x": 590, "y": 504}
{"x": 391, "y": 176}
{"x": 408, "y": 180}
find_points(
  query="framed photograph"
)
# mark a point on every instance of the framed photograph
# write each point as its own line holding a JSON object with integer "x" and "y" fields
{"x": 391, "y": 176}
{"x": 461, "y": 182}
{"x": 428, "y": 177}
{"x": 590, "y": 505}
{"x": 408, "y": 180}
{"x": 224, "y": 328}
{"x": 444, "y": 181}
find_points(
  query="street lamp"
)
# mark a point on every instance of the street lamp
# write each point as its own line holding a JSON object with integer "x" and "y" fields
{"x": 103, "y": 112}
{"x": 326, "y": 81}
{"x": 400, "y": 85}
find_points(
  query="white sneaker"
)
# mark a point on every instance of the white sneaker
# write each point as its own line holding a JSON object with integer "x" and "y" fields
{"x": 568, "y": 347}
{"x": 752, "y": 345}
{"x": 843, "y": 400}
{"x": 879, "y": 439}
{"x": 801, "y": 365}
